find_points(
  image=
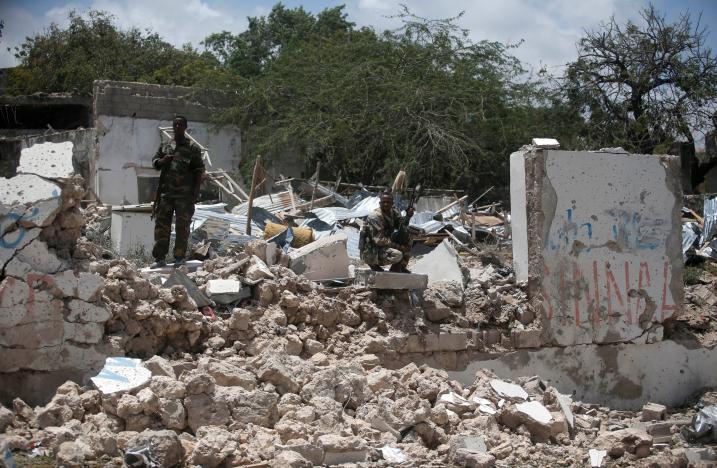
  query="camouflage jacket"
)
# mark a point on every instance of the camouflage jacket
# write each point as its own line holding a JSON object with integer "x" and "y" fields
{"x": 179, "y": 175}
{"x": 379, "y": 228}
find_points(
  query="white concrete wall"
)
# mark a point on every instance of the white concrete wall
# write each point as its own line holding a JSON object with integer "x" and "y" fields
{"x": 127, "y": 142}
{"x": 604, "y": 242}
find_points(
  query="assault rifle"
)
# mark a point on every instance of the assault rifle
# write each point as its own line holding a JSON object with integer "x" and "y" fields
{"x": 401, "y": 236}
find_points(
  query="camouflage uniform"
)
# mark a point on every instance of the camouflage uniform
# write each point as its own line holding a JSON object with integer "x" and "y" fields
{"x": 377, "y": 250}
{"x": 176, "y": 195}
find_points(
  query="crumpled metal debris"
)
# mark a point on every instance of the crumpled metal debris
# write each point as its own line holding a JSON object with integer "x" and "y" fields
{"x": 704, "y": 424}
{"x": 141, "y": 457}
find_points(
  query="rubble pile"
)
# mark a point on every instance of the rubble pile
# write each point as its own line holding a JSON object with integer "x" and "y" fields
{"x": 267, "y": 355}
{"x": 233, "y": 410}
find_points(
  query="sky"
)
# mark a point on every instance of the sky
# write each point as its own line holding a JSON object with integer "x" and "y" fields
{"x": 549, "y": 29}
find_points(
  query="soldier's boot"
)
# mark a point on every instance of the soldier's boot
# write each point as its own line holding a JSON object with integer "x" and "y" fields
{"x": 178, "y": 262}
{"x": 376, "y": 268}
{"x": 158, "y": 264}
{"x": 399, "y": 268}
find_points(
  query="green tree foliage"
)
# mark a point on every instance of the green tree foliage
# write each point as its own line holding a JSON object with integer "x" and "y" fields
{"x": 643, "y": 85}
{"x": 91, "y": 48}
{"x": 250, "y": 52}
{"x": 423, "y": 98}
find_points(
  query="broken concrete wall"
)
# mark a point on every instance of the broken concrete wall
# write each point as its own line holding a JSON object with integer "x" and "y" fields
{"x": 621, "y": 376}
{"x": 127, "y": 117}
{"x": 603, "y": 233}
{"x": 51, "y": 323}
{"x": 83, "y": 149}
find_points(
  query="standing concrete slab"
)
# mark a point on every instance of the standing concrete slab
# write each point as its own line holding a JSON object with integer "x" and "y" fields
{"x": 325, "y": 258}
{"x": 599, "y": 236}
{"x": 441, "y": 264}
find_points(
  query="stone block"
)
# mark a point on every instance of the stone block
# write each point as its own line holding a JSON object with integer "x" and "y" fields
{"x": 40, "y": 310}
{"x": 325, "y": 258}
{"x": 527, "y": 338}
{"x": 41, "y": 359}
{"x": 65, "y": 283}
{"x": 89, "y": 285}
{"x": 16, "y": 240}
{"x": 491, "y": 337}
{"x": 39, "y": 257}
{"x": 87, "y": 333}
{"x": 387, "y": 280}
{"x": 589, "y": 229}
{"x": 81, "y": 311}
{"x": 339, "y": 450}
{"x": 653, "y": 412}
{"x": 435, "y": 342}
{"x": 33, "y": 335}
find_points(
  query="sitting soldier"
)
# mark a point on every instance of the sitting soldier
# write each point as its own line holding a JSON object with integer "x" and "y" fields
{"x": 378, "y": 244}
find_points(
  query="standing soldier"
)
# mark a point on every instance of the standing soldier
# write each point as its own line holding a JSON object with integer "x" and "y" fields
{"x": 376, "y": 242}
{"x": 182, "y": 169}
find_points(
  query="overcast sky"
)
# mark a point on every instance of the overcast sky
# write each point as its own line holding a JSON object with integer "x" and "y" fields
{"x": 549, "y": 28}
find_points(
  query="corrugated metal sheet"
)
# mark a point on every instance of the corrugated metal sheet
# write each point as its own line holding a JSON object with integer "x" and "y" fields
{"x": 689, "y": 236}
{"x": 237, "y": 223}
{"x": 274, "y": 203}
{"x": 331, "y": 215}
{"x": 710, "y": 216}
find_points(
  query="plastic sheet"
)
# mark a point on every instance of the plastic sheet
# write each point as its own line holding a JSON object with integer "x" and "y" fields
{"x": 121, "y": 374}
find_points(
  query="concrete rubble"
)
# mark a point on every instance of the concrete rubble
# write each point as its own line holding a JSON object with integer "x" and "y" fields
{"x": 271, "y": 356}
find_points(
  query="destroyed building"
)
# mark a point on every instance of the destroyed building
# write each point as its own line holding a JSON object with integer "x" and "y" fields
{"x": 559, "y": 334}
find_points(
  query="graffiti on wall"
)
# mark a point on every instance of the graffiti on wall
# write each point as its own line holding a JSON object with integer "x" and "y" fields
{"x": 628, "y": 229}
{"x": 635, "y": 291}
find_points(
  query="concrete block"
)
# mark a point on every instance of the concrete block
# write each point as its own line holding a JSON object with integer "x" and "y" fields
{"x": 40, "y": 214}
{"x": 598, "y": 237}
{"x": 39, "y": 257}
{"x": 49, "y": 160}
{"x": 86, "y": 333}
{"x": 325, "y": 258}
{"x": 89, "y": 286}
{"x": 441, "y": 264}
{"x": 432, "y": 342}
{"x": 339, "y": 450}
{"x": 387, "y": 280}
{"x": 33, "y": 335}
{"x": 527, "y": 338}
{"x": 11, "y": 242}
{"x": 226, "y": 291}
{"x": 653, "y": 412}
{"x": 40, "y": 359}
{"x": 81, "y": 311}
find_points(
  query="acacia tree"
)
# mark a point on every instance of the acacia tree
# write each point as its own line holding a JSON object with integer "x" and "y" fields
{"x": 643, "y": 85}
{"x": 250, "y": 52}
{"x": 422, "y": 98}
{"x": 93, "y": 47}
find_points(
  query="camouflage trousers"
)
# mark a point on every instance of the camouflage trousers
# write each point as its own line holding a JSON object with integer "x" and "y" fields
{"x": 182, "y": 209}
{"x": 379, "y": 256}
